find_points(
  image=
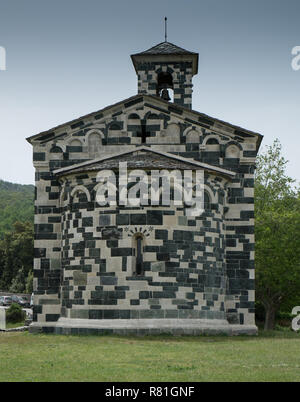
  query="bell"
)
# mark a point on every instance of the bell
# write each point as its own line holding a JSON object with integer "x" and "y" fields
{"x": 165, "y": 95}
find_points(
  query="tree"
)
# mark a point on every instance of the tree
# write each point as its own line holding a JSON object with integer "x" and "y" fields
{"x": 16, "y": 253}
{"x": 277, "y": 232}
{"x": 18, "y": 282}
{"x": 29, "y": 282}
{"x": 16, "y": 204}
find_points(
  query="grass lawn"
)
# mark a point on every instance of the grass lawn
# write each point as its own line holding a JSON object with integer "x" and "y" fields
{"x": 36, "y": 357}
{"x": 14, "y": 324}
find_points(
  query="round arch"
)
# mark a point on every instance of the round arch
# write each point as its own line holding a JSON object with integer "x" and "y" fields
{"x": 94, "y": 139}
{"x": 80, "y": 189}
{"x": 211, "y": 137}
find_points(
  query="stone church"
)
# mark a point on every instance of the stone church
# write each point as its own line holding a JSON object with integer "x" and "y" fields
{"x": 145, "y": 269}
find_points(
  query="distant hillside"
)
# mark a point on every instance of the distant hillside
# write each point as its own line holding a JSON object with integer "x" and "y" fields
{"x": 16, "y": 204}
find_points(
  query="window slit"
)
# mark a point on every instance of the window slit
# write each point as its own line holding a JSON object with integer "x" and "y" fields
{"x": 139, "y": 255}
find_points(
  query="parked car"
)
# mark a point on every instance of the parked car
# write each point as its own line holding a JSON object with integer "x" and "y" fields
{"x": 24, "y": 302}
{"x": 20, "y": 300}
{"x": 5, "y": 301}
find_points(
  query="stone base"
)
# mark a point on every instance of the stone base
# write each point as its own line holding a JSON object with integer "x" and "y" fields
{"x": 69, "y": 326}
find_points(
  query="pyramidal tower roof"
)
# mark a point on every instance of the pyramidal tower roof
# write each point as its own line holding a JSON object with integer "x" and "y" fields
{"x": 165, "y": 48}
{"x": 166, "y": 51}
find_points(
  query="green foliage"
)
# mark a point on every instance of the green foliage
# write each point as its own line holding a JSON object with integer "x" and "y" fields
{"x": 272, "y": 185}
{"x": 15, "y": 313}
{"x": 16, "y": 257}
{"x": 18, "y": 282}
{"x": 16, "y": 235}
{"x": 277, "y": 232}
{"x": 29, "y": 282}
{"x": 16, "y": 204}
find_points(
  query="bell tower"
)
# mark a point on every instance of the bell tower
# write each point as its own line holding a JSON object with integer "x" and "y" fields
{"x": 166, "y": 70}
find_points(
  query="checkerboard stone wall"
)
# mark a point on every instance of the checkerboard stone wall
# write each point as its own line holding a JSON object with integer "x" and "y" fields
{"x": 84, "y": 255}
{"x": 183, "y": 271}
{"x": 181, "y": 75}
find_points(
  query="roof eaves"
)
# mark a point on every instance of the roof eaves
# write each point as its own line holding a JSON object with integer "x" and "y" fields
{"x": 78, "y": 119}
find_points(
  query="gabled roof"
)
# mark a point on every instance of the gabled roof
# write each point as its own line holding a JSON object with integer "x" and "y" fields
{"x": 166, "y": 107}
{"x": 142, "y": 158}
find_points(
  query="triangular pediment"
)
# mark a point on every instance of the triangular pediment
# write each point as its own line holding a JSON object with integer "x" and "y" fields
{"x": 142, "y": 158}
{"x": 155, "y": 103}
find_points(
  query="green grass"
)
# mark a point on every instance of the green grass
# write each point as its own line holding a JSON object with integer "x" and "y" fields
{"x": 272, "y": 356}
{"x": 14, "y": 324}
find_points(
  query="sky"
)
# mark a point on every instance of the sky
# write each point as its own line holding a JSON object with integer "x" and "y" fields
{"x": 68, "y": 58}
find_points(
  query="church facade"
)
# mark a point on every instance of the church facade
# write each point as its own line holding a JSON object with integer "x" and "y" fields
{"x": 151, "y": 267}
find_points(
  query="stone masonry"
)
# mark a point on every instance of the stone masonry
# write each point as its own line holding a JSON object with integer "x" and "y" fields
{"x": 196, "y": 273}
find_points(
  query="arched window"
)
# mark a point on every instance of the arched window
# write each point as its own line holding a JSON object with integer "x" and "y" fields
{"x": 212, "y": 141}
{"x": 56, "y": 153}
{"x": 80, "y": 194}
{"x": 55, "y": 149}
{"x": 134, "y": 116}
{"x": 164, "y": 82}
{"x": 212, "y": 144}
{"x": 114, "y": 132}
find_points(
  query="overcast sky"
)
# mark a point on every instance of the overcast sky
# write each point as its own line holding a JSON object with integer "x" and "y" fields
{"x": 67, "y": 58}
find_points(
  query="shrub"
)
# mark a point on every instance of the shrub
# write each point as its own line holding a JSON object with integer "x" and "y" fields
{"x": 284, "y": 315}
{"x": 15, "y": 313}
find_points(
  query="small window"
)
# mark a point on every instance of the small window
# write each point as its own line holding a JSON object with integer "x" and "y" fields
{"x": 221, "y": 197}
{"x": 207, "y": 203}
{"x": 56, "y": 153}
{"x": 139, "y": 255}
{"x": 164, "y": 83}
